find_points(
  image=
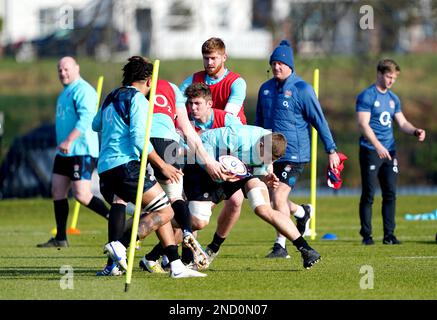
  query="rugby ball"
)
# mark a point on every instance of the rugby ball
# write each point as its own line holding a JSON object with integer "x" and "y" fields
{"x": 234, "y": 165}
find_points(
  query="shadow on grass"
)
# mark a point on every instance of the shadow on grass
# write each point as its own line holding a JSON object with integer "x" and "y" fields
{"x": 422, "y": 242}
{"x": 51, "y": 257}
{"x": 252, "y": 270}
{"x": 39, "y": 273}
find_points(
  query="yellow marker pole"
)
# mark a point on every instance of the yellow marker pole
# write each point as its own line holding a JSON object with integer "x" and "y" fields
{"x": 136, "y": 217}
{"x": 73, "y": 229}
{"x": 314, "y": 163}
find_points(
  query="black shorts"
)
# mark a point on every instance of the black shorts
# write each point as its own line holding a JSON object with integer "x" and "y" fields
{"x": 288, "y": 172}
{"x": 198, "y": 185}
{"x": 123, "y": 182}
{"x": 170, "y": 151}
{"x": 75, "y": 167}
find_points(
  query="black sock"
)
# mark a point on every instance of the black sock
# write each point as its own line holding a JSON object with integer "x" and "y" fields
{"x": 156, "y": 253}
{"x": 61, "y": 216}
{"x": 216, "y": 243}
{"x": 116, "y": 221}
{"x": 98, "y": 206}
{"x": 171, "y": 252}
{"x": 125, "y": 239}
{"x": 300, "y": 243}
{"x": 187, "y": 255}
{"x": 182, "y": 214}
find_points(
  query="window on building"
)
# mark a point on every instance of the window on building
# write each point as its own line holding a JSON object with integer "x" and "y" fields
{"x": 261, "y": 13}
{"x": 48, "y": 18}
{"x": 180, "y": 15}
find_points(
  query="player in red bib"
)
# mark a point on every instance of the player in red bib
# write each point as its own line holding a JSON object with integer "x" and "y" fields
{"x": 228, "y": 88}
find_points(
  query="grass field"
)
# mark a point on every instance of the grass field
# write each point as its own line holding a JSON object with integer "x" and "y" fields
{"x": 240, "y": 272}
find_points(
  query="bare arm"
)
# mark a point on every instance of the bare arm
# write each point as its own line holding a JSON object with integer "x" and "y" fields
{"x": 408, "y": 128}
{"x": 212, "y": 166}
{"x": 363, "y": 119}
{"x": 166, "y": 169}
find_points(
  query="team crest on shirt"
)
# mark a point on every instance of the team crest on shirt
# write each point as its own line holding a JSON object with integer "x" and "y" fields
{"x": 287, "y": 93}
{"x": 392, "y": 104}
{"x": 266, "y": 92}
{"x": 377, "y": 104}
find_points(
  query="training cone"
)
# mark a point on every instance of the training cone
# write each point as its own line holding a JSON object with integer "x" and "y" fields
{"x": 329, "y": 236}
{"x": 73, "y": 231}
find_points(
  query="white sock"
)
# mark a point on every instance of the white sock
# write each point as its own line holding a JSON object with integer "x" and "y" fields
{"x": 280, "y": 239}
{"x": 177, "y": 266}
{"x": 300, "y": 212}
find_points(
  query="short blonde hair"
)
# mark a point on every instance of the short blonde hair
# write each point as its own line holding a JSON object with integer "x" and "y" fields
{"x": 213, "y": 45}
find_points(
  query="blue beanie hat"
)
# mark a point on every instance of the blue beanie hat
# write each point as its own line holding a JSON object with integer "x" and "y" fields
{"x": 283, "y": 53}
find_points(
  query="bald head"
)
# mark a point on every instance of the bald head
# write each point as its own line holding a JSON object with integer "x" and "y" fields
{"x": 68, "y": 70}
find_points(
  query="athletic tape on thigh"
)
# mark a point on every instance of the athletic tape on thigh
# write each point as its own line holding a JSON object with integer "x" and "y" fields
{"x": 173, "y": 190}
{"x": 200, "y": 209}
{"x": 159, "y": 202}
{"x": 256, "y": 197}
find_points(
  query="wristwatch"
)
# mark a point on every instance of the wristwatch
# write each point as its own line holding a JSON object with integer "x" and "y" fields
{"x": 332, "y": 151}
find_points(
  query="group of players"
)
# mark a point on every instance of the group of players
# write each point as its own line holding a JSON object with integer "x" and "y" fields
{"x": 191, "y": 127}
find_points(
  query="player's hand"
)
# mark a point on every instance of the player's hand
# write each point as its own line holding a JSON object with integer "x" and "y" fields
{"x": 65, "y": 146}
{"x": 217, "y": 172}
{"x": 271, "y": 180}
{"x": 171, "y": 173}
{"x": 383, "y": 153}
{"x": 230, "y": 177}
{"x": 420, "y": 134}
{"x": 334, "y": 160}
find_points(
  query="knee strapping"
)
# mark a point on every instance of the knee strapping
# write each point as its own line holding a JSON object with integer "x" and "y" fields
{"x": 159, "y": 202}
{"x": 173, "y": 190}
{"x": 200, "y": 209}
{"x": 256, "y": 197}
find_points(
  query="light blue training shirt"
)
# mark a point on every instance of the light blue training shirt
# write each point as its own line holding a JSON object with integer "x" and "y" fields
{"x": 120, "y": 142}
{"x": 75, "y": 108}
{"x": 237, "y": 140}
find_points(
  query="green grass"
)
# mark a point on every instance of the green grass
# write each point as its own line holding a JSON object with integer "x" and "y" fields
{"x": 240, "y": 272}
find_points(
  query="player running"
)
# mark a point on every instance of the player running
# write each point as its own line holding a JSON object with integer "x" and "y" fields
{"x": 257, "y": 148}
{"x": 122, "y": 122}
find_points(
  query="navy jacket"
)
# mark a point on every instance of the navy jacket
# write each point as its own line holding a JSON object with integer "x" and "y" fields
{"x": 292, "y": 109}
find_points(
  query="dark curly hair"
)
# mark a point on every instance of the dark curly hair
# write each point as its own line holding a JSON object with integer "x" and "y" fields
{"x": 136, "y": 69}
